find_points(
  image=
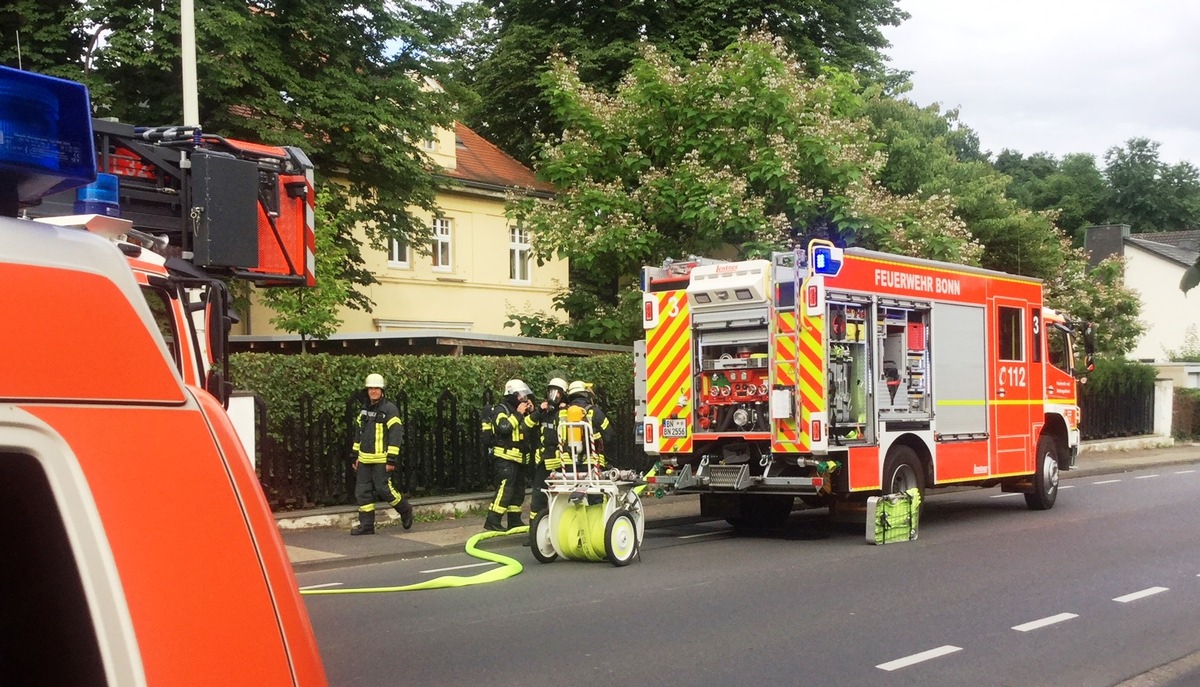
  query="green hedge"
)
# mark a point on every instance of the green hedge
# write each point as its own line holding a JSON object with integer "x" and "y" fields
{"x": 331, "y": 379}
{"x": 1185, "y": 415}
{"x": 1113, "y": 376}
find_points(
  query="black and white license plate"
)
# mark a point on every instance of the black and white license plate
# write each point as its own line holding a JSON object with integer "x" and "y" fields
{"x": 674, "y": 429}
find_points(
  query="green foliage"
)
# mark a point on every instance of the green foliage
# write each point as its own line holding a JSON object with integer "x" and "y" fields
{"x": 312, "y": 312}
{"x": 1118, "y": 377}
{"x": 280, "y": 380}
{"x": 1185, "y": 415}
{"x": 604, "y": 38}
{"x": 1098, "y": 296}
{"x": 1073, "y": 190}
{"x": 1148, "y": 194}
{"x": 341, "y": 80}
{"x": 930, "y": 155}
{"x": 49, "y": 35}
{"x": 1189, "y": 352}
{"x": 738, "y": 148}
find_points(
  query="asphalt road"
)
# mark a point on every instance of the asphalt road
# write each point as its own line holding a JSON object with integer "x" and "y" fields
{"x": 1098, "y": 590}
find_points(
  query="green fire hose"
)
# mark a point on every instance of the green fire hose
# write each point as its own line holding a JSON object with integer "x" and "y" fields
{"x": 510, "y": 567}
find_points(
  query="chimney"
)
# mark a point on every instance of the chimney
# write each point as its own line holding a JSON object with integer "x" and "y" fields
{"x": 1099, "y": 242}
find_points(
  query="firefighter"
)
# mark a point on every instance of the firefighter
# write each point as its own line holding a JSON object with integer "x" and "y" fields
{"x": 377, "y": 441}
{"x": 546, "y": 459}
{"x": 507, "y": 425}
{"x": 579, "y": 395}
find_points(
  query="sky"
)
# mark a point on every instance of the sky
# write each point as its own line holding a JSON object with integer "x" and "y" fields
{"x": 1058, "y": 76}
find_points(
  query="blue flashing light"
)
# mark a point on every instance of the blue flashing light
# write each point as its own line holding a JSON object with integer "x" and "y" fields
{"x": 826, "y": 260}
{"x": 46, "y": 143}
{"x": 100, "y": 197}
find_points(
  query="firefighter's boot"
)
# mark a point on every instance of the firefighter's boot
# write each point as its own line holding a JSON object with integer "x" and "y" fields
{"x": 366, "y": 523}
{"x": 405, "y": 509}
{"x": 514, "y": 521}
{"x": 492, "y": 524}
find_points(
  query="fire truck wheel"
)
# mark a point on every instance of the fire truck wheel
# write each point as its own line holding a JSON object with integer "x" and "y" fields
{"x": 902, "y": 471}
{"x": 620, "y": 538}
{"x": 539, "y": 539}
{"x": 1045, "y": 480}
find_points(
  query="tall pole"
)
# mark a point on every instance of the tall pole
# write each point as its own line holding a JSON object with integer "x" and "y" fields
{"x": 191, "y": 105}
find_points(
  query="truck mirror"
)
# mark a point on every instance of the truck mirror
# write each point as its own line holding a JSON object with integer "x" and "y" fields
{"x": 216, "y": 329}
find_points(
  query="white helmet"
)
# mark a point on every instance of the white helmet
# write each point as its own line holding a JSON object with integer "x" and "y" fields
{"x": 515, "y": 387}
{"x": 558, "y": 382}
{"x": 577, "y": 387}
{"x": 374, "y": 381}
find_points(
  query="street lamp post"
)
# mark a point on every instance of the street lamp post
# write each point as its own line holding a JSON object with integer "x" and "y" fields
{"x": 191, "y": 106}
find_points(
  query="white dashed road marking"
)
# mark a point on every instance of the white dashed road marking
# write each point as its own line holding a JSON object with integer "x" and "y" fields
{"x": 318, "y": 586}
{"x": 1035, "y": 624}
{"x": 1145, "y": 476}
{"x": 1140, "y": 595}
{"x": 1000, "y": 496}
{"x": 1107, "y": 481}
{"x": 917, "y": 658}
{"x": 1184, "y": 472}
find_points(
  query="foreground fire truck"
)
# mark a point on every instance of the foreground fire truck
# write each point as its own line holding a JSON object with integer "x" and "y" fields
{"x": 835, "y": 374}
{"x": 139, "y": 546}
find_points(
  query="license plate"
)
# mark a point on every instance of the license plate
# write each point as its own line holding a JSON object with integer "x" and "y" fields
{"x": 674, "y": 429}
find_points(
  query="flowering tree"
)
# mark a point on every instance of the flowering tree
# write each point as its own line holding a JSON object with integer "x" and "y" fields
{"x": 738, "y": 149}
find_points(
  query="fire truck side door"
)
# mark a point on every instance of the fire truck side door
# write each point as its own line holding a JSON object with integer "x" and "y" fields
{"x": 1011, "y": 387}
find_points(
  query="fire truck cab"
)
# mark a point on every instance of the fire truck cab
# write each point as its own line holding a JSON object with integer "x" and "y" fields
{"x": 834, "y": 374}
{"x": 138, "y": 546}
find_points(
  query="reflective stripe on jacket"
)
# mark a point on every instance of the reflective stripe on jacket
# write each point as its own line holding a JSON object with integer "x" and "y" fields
{"x": 510, "y": 435}
{"x": 379, "y": 434}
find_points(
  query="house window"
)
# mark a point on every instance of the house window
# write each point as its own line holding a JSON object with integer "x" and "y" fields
{"x": 441, "y": 244}
{"x": 430, "y": 144}
{"x": 518, "y": 254}
{"x": 398, "y": 254}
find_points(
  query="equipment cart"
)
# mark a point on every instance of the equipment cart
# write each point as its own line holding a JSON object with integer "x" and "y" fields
{"x": 593, "y": 515}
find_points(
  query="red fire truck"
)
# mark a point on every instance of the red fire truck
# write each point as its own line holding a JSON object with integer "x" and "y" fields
{"x": 834, "y": 374}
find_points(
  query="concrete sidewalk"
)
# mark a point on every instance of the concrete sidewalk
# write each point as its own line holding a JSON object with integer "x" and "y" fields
{"x": 319, "y": 538}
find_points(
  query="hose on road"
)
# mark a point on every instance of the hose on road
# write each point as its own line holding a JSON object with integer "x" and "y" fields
{"x": 509, "y": 567}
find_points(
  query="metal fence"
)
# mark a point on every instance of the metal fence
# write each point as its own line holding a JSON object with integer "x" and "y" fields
{"x": 1121, "y": 410}
{"x": 306, "y": 460}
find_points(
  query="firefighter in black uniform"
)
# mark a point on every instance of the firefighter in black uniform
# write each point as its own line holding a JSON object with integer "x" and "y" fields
{"x": 509, "y": 447}
{"x": 377, "y": 441}
{"x": 546, "y": 459}
{"x": 579, "y": 394}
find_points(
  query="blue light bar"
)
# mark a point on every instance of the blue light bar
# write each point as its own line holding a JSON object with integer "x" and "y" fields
{"x": 46, "y": 143}
{"x": 825, "y": 258}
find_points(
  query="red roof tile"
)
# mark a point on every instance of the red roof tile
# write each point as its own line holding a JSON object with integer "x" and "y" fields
{"x": 481, "y": 162}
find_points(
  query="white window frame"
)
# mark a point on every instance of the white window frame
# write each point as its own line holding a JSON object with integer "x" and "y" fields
{"x": 519, "y": 251}
{"x": 399, "y": 254}
{"x": 430, "y": 144}
{"x": 443, "y": 241}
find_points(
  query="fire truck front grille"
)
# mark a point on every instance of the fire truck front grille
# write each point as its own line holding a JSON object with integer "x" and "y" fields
{"x": 729, "y": 476}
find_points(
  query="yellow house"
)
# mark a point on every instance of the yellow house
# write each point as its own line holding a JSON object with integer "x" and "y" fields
{"x": 479, "y": 265}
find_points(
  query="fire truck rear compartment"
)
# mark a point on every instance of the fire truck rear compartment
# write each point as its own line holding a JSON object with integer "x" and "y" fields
{"x": 733, "y": 385}
{"x": 742, "y": 467}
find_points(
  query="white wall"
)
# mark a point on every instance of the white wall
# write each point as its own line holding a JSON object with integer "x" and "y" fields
{"x": 1166, "y": 311}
